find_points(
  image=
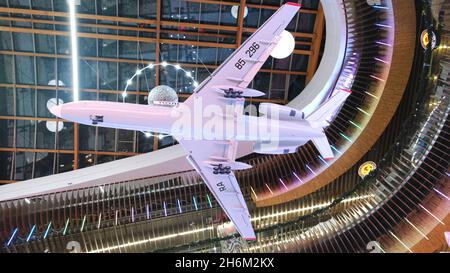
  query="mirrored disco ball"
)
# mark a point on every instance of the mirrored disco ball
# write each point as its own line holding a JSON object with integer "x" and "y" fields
{"x": 162, "y": 94}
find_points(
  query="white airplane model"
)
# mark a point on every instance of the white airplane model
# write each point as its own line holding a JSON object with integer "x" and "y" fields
{"x": 213, "y": 155}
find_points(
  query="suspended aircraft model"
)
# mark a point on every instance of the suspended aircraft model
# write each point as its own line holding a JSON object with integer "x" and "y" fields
{"x": 210, "y": 124}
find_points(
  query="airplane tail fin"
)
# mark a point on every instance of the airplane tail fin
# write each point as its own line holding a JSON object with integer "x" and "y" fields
{"x": 321, "y": 117}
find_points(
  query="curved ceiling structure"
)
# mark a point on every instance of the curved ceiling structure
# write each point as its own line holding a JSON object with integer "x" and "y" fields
{"x": 152, "y": 201}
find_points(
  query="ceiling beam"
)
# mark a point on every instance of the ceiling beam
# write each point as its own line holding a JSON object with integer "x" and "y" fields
{"x": 319, "y": 26}
{"x": 240, "y": 23}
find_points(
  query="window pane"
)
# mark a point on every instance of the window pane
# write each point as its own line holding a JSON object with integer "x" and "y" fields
{"x": 42, "y": 4}
{"x": 45, "y": 70}
{"x": 6, "y": 75}
{"x": 63, "y": 45}
{"x": 19, "y": 4}
{"x": 87, "y": 134}
{"x": 127, "y": 50}
{"x": 44, "y": 43}
{"x": 6, "y": 101}
{"x": 65, "y": 136}
{"x": 6, "y": 133}
{"x": 45, "y": 136}
{"x": 145, "y": 144}
{"x": 106, "y": 7}
{"x": 44, "y": 164}
{"x": 107, "y": 48}
{"x": 88, "y": 74}
{"x": 43, "y": 96}
{"x": 65, "y": 72}
{"x": 65, "y": 162}
{"x": 24, "y": 70}
{"x": 5, "y": 40}
{"x": 107, "y": 75}
{"x": 128, "y": 8}
{"x": 25, "y": 101}
{"x": 126, "y": 71}
{"x": 24, "y": 165}
{"x": 106, "y": 139}
{"x": 125, "y": 141}
{"x": 23, "y": 42}
{"x": 25, "y": 133}
{"x": 87, "y": 46}
{"x": 6, "y": 159}
{"x": 147, "y": 9}
{"x": 147, "y": 51}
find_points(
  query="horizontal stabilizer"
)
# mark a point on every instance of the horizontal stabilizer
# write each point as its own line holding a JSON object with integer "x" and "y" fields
{"x": 324, "y": 147}
{"x": 321, "y": 117}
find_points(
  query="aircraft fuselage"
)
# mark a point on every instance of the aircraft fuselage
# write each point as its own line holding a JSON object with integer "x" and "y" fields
{"x": 174, "y": 121}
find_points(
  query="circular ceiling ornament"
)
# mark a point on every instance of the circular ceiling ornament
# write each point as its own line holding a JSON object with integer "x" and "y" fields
{"x": 235, "y": 11}
{"x": 54, "y": 126}
{"x": 162, "y": 95}
{"x": 285, "y": 46}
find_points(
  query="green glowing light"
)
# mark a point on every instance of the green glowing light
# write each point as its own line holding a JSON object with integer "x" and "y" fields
{"x": 356, "y": 125}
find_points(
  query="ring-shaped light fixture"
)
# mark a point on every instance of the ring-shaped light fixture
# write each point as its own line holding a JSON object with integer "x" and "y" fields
{"x": 153, "y": 65}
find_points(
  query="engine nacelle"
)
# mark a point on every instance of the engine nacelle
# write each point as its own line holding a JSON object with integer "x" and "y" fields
{"x": 276, "y": 111}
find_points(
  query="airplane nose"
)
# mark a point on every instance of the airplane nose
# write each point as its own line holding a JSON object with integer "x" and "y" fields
{"x": 56, "y": 110}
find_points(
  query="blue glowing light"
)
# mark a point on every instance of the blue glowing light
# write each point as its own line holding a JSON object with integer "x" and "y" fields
{"x": 31, "y": 233}
{"x": 195, "y": 202}
{"x": 12, "y": 236}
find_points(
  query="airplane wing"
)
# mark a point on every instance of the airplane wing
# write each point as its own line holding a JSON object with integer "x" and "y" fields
{"x": 239, "y": 69}
{"x": 214, "y": 161}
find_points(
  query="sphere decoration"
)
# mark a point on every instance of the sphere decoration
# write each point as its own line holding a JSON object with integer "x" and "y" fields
{"x": 162, "y": 95}
{"x": 51, "y": 125}
{"x": 138, "y": 72}
{"x": 54, "y": 126}
{"x": 285, "y": 46}
{"x": 235, "y": 11}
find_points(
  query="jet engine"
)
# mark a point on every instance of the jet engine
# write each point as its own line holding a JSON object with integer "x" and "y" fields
{"x": 276, "y": 111}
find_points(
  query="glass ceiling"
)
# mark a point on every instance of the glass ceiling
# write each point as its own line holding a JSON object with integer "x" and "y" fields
{"x": 116, "y": 37}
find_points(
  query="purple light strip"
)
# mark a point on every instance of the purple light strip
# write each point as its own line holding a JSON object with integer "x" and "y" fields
{"x": 283, "y": 184}
{"x": 383, "y": 25}
{"x": 383, "y": 43}
{"x": 309, "y": 168}
{"x": 179, "y": 206}
{"x": 380, "y": 60}
{"x": 269, "y": 188}
{"x": 132, "y": 214}
{"x": 148, "y": 212}
{"x": 165, "y": 208}
{"x": 375, "y": 77}
{"x": 443, "y": 195}
{"x": 299, "y": 179}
